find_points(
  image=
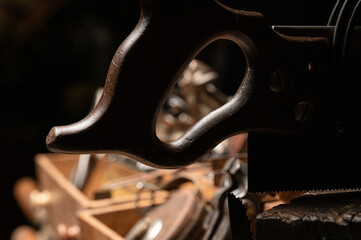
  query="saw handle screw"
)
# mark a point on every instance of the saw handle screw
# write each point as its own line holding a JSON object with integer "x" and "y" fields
{"x": 278, "y": 81}
{"x": 303, "y": 111}
{"x": 314, "y": 67}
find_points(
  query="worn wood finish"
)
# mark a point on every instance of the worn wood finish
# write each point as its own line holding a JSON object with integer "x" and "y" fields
{"x": 146, "y": 65}
{"x": 24, "y": 233}
{"x": 335, "y": 216}
{"x": 53, "y": 172}
{"x": 111, "y": 222}
{"x": 114, "y": 222}
{"x": 22, "y": 190}
{"x": 104, "y": 171}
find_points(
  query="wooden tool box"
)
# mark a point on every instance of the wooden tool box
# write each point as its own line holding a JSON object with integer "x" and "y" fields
{"x": 60, "y": 209}
{"x": 63, "y": 200}
{"x": 110, "y": 223}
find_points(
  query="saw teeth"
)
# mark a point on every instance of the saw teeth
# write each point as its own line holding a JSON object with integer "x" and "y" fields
{"x": 242, "y": 218}
{"x": 311, "y": 191}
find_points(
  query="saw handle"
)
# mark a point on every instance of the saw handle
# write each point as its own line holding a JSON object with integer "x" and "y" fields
{"x": 146, "y": 65}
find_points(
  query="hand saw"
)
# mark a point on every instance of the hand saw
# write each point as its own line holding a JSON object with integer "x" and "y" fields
{"x": 297, "y": 99}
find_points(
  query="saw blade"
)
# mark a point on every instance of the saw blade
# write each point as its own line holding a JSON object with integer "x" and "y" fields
{"x": 302, "y": 163}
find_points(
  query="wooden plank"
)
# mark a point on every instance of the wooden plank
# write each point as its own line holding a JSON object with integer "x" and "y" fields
{"x": 111, "y": 222}
{"x": 53, "y": 171}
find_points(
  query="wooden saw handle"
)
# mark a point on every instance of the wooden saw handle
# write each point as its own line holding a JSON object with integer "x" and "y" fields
{"x": 146, "y": 65}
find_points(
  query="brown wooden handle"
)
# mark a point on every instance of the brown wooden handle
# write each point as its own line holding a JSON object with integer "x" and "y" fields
{"x": 24, "y": 233}
{"x": 147, "y": 64}
{"x": 22, "y": 190}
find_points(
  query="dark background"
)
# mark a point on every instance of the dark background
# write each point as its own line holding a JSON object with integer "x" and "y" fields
{"x": 54, "y": 54}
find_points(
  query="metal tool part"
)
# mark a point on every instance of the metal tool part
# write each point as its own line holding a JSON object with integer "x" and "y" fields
{"x": 179, "y": 218}
{"x": 235, "y": 181}
{"x": 240, "y": 225}
{"x": 86, "y": 162}
{"x": 192, "y": 98}
{"x": 82, "y": 170}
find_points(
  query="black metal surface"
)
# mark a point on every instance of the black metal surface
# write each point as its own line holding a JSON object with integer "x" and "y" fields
{"x": 321, "y": 160}
{"x": 345, "y": 84}
{"x": 335, "y": 12}
{"x": 240, "y": 225}
{"x": 314, "y": 162}
{"x": 235, "y": 180}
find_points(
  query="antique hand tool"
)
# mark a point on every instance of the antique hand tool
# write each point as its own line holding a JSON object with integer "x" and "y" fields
{"x": 235, "y": 182}
{"x": 297, "y": 89}
{"x": 193, "y": 97}
{"x": 180, "y": 217}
